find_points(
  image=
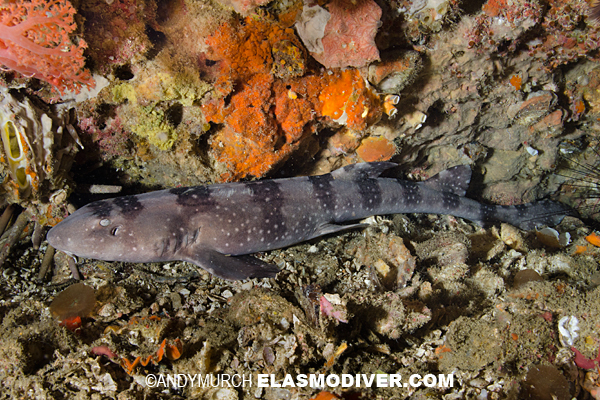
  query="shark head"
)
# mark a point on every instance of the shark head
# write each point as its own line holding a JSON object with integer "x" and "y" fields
{"x": 103, "y": 230}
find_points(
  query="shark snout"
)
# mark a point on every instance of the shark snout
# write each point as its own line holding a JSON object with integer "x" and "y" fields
{"x": 64, "y": 236}
{"x": 56, "y": 237}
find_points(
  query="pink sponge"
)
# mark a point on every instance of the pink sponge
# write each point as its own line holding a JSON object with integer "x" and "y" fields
{"x": 349, "y": 39}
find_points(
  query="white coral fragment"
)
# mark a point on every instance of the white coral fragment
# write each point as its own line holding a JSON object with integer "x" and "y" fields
{"x": 551, "y": 238}
{"x": 311, "y": 27}
{"x": 568, "y": 327}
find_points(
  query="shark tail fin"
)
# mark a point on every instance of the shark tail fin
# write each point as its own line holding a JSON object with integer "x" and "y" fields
{"x": 533, "y": 215}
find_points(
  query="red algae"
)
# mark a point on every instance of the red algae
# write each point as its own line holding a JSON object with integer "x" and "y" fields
{"x": 73, "y": 324}
{"x": 103, "y": 351}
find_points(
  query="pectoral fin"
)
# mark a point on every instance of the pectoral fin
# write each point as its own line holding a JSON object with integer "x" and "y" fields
{"x": 328, "y": 228}
{"x": 233, "y": 268}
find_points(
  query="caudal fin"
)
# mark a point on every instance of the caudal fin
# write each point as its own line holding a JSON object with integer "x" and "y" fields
{"x": 533, "y": 215}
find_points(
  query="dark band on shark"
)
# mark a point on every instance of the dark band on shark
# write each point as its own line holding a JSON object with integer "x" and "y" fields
{"x": 489, "y": 213}
{"x": 129, "y": 205}
{"x": 269, "y": 192}
{"x": 265, "y": 191}
{"x": 101, "y": 208}
{"x": 411, "y": 193}
{"x": 449, "y": 201}
{"x": 194, "y": 196}
{"x": 323, "y": 189}
{"x": 369, "y": 192}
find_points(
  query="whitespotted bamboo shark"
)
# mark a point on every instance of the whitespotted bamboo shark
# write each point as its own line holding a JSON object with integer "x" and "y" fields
{"x": 217, "y": 226}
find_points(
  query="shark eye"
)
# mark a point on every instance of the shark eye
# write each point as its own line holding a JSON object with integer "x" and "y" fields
{"x": 105, "y": 222}
{"x": 115, "y": 230}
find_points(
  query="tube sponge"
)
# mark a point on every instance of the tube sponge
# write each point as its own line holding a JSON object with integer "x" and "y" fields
{"x": 15, "y": 153}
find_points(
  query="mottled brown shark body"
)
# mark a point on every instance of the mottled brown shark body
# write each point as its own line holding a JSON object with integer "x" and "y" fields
{"x": 217, "y": 226}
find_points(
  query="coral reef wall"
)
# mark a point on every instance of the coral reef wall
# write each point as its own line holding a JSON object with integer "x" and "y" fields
{"x": 199, "y": 91}
{"x": 433, "y": 84}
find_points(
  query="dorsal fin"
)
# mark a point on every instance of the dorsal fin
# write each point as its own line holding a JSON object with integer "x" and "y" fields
{"x": 362, "y": 170}
{"x": 454, "y": 180}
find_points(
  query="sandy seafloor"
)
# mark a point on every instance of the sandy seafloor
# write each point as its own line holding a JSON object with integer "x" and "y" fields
{"x": 412, "y": 294}
{"x": 461, "y": 313}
